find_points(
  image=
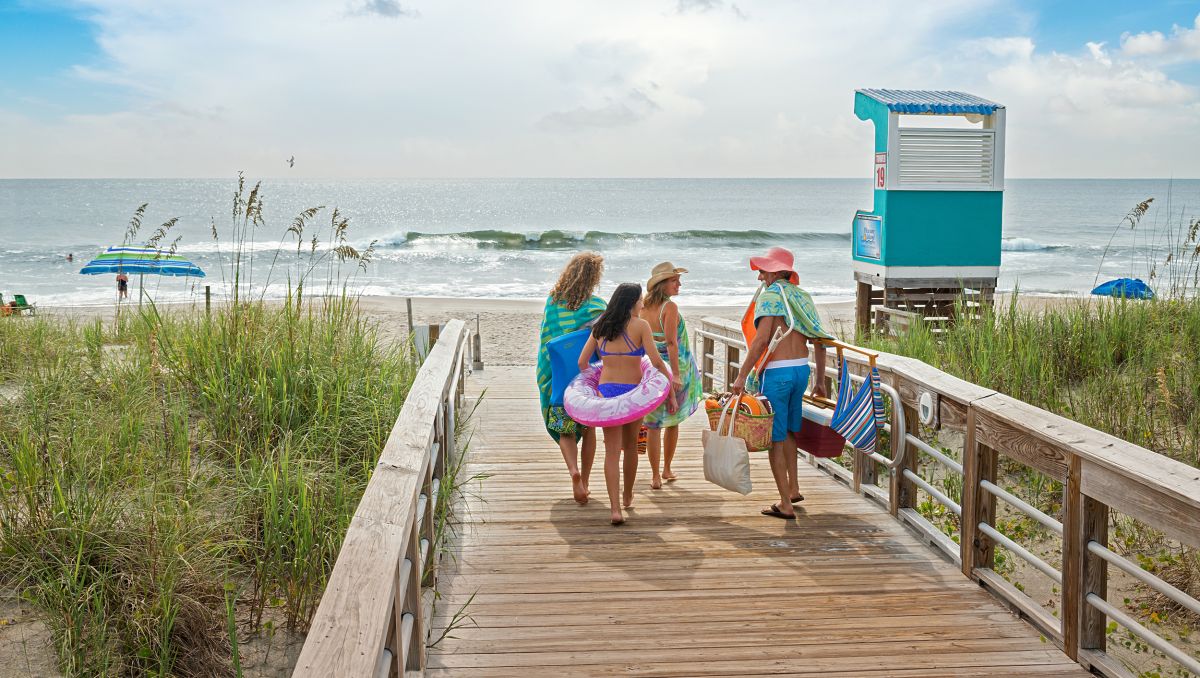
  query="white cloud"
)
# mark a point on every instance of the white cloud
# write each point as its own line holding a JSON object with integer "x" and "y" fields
{"x": 621, "y": 88}
{"x": 385, "y": 8}
{"x": 1096, "y": 113}
{"x": 634, "y": 106}
{"x": 1182, "y": 45}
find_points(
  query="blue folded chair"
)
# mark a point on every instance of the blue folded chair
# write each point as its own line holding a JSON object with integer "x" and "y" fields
{"x": 564, "y": 361}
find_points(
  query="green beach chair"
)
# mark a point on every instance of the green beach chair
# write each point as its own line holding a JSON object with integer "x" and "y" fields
{"x": 24, "y": 306}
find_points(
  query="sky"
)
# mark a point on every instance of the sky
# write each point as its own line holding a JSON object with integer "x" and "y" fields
{"x": 574, "y": 88}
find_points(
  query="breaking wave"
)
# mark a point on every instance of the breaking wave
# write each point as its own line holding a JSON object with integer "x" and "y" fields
{"x": 562, "y": 239}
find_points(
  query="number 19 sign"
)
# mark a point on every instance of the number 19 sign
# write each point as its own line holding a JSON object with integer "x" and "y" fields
{"x": 880, "y": 170}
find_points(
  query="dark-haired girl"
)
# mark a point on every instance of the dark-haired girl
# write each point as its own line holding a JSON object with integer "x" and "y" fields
{"x": 621, "y": 338}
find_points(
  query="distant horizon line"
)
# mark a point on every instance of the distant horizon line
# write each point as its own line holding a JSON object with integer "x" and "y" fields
{"x": 866, "y": 179}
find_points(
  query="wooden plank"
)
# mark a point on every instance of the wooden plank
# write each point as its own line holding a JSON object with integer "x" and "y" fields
{"x": 1029, "y": 608}
{"x": 903, "y": 491}
{"x": 979, "y": 464}
{"x": 731, "y": 366}
{"x": 902, "y": 652}
{"x": 706, "y": 371}
{"x": 353, "y": 617}
{"x": 1162, "y": 492}
{"x": 412, "y": 433}
{"x": 862, "y": 307}
{"x": 1014, "y": 429}
{"x": 1160, "y": 497}
{"x": 1085, "y": 519}
{"x": 913, "y": 377}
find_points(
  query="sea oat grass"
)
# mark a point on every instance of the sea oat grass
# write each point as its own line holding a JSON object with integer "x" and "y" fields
{"x": 165, "y": 476}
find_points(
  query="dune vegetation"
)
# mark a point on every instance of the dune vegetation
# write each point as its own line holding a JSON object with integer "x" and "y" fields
{"x": 172, "y": 481}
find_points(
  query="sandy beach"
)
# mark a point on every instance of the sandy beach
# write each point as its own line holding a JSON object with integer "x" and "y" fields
{"x": 509, "y": 327}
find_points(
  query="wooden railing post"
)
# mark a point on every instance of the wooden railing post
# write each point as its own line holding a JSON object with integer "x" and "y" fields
{"x": 731, "y": 372}
{"x": 903, "y": 491}
{"x": 978, "y": 506}
{"x": 864, "y": 471}
{"x": 415, "y": 660}
{"x": 862, "y": 308}
{"x": 1084, "y": 520}
{"x": 708, "y": 348}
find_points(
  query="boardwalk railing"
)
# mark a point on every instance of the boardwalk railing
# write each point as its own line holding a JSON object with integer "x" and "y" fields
{"x": 374, "y": 617}
{"x": 1099, "y": 473}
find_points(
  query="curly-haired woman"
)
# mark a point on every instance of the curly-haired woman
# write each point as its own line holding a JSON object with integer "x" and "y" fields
{"x": 571, "y": 305}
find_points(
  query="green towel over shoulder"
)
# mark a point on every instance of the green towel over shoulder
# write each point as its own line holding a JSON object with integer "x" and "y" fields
{"x": 558, "y": 320}
{"x": 771, "y": 302}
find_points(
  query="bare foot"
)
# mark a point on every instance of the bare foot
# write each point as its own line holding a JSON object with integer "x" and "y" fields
{"x": 627, "y": 500}
{"x": 656, "y": 483}
{"x": 617, "y": 519}
{"x": 578, "y": 490}
{"x": 668, "y": 475}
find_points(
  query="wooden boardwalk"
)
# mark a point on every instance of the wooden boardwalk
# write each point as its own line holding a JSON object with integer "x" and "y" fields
{"x": 697, "y": 583}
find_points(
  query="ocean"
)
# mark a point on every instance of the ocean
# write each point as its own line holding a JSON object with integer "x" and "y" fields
{"x": 511, "y": 237}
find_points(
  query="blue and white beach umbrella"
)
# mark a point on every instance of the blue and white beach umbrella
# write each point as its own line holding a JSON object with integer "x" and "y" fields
{"x": 141, "y": 260}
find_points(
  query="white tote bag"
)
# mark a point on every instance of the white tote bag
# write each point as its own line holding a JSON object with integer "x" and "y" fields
{"x": 726, "y": 461}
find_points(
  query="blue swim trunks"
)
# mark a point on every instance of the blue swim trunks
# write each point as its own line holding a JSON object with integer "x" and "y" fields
{"x": 784, "y": 388}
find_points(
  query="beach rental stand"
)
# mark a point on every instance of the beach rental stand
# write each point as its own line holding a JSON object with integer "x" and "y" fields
{"x": 933, "y": 234}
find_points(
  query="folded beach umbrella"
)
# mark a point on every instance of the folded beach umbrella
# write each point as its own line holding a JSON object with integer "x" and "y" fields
{"x": 141, "y": 260}
{"x": 1129, "y": 288}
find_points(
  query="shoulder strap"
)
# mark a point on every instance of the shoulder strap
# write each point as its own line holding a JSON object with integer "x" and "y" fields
{"x": 662, "y": 325}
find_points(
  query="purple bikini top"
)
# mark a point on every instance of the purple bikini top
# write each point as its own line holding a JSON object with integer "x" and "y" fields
{"x": 634, "y": 353}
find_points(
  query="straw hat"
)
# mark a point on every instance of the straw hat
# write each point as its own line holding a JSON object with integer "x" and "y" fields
{"x": 661, "y": 272}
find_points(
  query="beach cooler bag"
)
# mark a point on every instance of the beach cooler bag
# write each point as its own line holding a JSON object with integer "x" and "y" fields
{"x": 564, "y": 361}
{"x": 817, "y": 436}
{"x": 726, "y": 459}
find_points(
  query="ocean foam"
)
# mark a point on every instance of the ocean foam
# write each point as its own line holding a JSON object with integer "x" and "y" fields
{"x": 1026, "y": 245}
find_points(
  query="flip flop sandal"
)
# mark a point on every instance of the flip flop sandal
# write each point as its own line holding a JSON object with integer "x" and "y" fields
{"x": 774, "y": 512}
{"x": 797, "y": 499}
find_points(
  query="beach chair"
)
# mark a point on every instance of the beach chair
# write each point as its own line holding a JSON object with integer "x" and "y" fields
{"x": 5, "y": 309}
{"x": 23, "y": 306}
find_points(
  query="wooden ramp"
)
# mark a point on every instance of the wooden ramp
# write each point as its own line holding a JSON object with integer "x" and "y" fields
{"x": 697, "y": 583}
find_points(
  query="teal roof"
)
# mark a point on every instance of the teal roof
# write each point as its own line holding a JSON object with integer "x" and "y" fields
{"x": 938, "y": 102}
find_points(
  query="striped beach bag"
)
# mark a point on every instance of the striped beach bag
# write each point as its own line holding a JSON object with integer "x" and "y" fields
{"x": 858, "y": 415}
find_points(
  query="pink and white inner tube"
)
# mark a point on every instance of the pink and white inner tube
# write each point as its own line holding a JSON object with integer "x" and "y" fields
{"x": 585, "y": 405}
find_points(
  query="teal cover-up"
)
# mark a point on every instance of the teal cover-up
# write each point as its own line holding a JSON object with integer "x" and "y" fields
{"x": 689, "y": 397}
{"x": 558, "y": 320}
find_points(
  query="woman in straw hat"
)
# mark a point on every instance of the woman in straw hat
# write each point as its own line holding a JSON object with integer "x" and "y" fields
{"x": 571, "y": 305}
{"x": 671, "y": 339}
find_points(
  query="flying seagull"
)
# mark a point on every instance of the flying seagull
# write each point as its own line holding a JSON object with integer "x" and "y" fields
{"x": 292, "y": 161}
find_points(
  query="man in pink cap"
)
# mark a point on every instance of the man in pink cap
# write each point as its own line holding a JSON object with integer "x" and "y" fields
{"x": 784, "y": 321}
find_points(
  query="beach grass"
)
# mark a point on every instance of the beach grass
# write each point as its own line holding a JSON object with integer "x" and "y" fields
{"x": 170, "y": 482}
{"x": 1128, "y": 368}
{"x": 148, "y": 464}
